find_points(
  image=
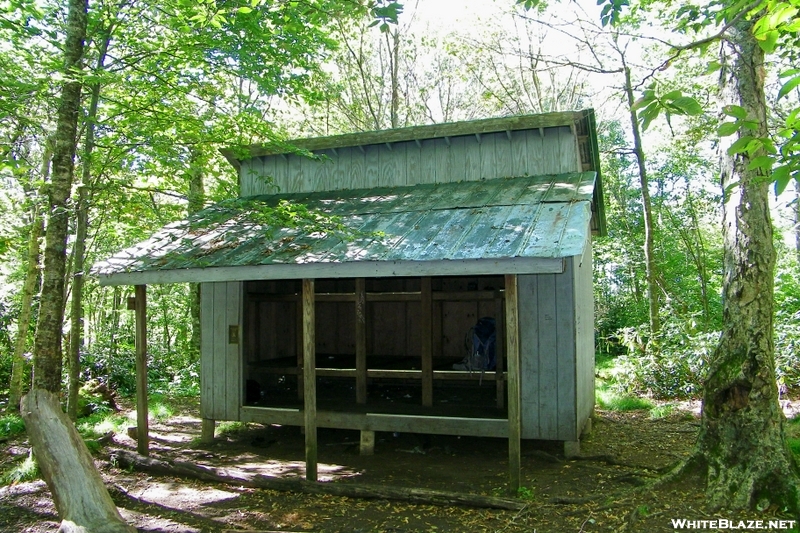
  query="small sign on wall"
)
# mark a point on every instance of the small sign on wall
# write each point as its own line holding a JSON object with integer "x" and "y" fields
{"x": 233, "y": 334}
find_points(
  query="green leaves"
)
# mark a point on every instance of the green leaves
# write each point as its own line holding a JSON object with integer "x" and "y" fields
{"x": 385, "y": 12}
{"x": 740, "y": 114}
{"x": 792, "y": 83}
{"x": 651, "y": 105}
{"x": 779, "y": 20}
{"x": 612, "y": 11}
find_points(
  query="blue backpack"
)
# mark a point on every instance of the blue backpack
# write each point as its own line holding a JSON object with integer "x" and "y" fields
{"x": 481, "y": 344}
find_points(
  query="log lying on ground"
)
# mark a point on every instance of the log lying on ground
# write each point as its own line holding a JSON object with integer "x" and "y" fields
{"x": 81, "y": 499}
{"x": 128, "y": 459}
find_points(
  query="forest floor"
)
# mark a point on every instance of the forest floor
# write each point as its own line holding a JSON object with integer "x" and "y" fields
{"x": 602, "y": 490}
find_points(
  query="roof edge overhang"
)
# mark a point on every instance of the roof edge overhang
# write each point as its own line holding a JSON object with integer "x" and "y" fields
{"x": 352, "y": 269}
{"x": 412, "y": 133}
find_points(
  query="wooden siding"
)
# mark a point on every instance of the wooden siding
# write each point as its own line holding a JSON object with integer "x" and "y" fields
{"x": 463, "y": 158}
{"x": 584, "y": 336}
{"x": 220, "y": 360}
{"x": 547, "y": 350}
{"x": 557, "y": 350}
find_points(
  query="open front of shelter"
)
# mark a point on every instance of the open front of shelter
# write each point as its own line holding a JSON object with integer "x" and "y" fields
{"x": 343, "y": 290}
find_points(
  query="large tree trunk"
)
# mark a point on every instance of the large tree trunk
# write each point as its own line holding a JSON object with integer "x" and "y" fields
{"x": 47, "y": 346}
{"x": 742, "y": 435}
{"x": 81, "y": 499}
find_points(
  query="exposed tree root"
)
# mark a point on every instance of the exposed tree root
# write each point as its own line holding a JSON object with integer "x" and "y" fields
{"x": 614, "y": 461}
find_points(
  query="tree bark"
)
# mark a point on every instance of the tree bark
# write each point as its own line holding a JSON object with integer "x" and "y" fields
{"x": 197, "y": 199}
{"x": 653, "y": 299}
{"x": 47, "y": 346}
{"x": 28, "y": 292}
{"x": 126, "y": 459}
{"x": 797, "y": 221}
{"x": 81, "y": 499}
{"x": 81, "y": 231}
{"x": 23, "y": 324}
{"x": 741, "y": 439}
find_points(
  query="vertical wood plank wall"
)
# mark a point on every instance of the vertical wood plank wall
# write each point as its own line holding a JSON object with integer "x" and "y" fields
{"x": 220, "y": 360}
{"x": 465, "y": 158}
{"x": 557, "y": 350}
{"x": 584, "y": 335}
{"x": 548, "y": 354}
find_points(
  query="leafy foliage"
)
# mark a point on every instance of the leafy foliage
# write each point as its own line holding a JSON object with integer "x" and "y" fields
{"x": 11, "y": 425}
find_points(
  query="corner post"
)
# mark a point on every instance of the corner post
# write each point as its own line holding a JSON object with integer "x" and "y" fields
{"x": 142, "y": 425}
{"x": 309, "y": 380}
{"x": 207, "y": 426}
{"x": 514, "y": 399}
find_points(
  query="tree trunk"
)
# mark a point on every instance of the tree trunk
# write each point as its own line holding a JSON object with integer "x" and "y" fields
{"x": 393, "y": 50}
{"x": 23, "y": 324}
{"x": 197, "y": 199}
{"x": 28, "y": 291}
{"x": 647, "y": 208}
{"x": 742, "y": 435}
{"x": 80, "y": 497}
{"x": 47, "y": 346}
{"x": 81, "y": 231}
{"x": 797, "y": 221}
{"x": 125, "y": 459}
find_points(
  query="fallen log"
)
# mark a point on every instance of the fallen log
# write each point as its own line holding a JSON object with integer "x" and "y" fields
{"x": 179, "y": 468}
{"x": 81, "y": 498}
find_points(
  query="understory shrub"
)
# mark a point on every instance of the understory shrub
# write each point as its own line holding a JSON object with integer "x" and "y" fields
{"x": 171, "y": 373}
{"x": 677, "y": 368}
{"x": 787, "y": 350}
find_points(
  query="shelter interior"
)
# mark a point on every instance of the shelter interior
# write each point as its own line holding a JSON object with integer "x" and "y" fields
{"x": 392, "y": 337}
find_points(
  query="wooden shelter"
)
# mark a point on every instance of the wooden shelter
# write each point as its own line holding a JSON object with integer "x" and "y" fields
{"x": 338, "y": 289}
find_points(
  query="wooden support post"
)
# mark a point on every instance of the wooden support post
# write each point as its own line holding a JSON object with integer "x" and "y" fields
{"x": 299, "y": 337}
{"x": 142, "y": 424}
{"x": 207, "y": 430}
{"x": 572, "y": 448}
{"x": 499, "y": 353}
{"x": 426, "y": 323}
{"x": 514, "y": 398}
{"x": 367, "y": 442}
{"x": 361, "y": 340}
{"x": 309, "y": 380}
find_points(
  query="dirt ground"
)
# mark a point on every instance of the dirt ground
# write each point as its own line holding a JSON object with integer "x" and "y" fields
{"x": 600, "y": 491}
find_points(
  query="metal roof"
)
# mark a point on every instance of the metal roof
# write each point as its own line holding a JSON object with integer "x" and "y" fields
{"x": 507, "y": 225}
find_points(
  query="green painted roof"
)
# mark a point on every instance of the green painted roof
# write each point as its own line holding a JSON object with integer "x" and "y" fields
{"x": 523, "y": 224}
